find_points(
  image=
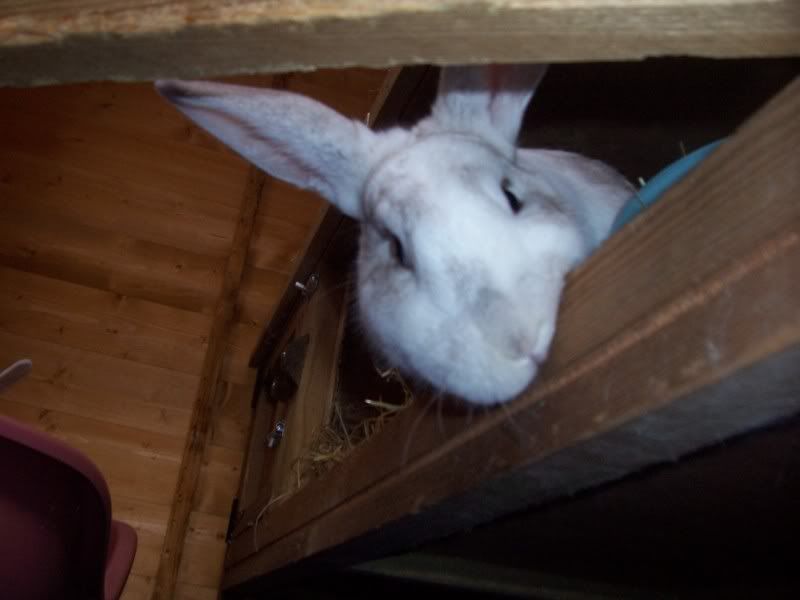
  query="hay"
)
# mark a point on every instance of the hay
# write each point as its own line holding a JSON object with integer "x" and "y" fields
{"x": 347, "y": 430}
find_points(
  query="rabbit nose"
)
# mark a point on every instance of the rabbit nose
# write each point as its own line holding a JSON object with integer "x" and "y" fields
{"x": 528, "y": 347}
{"x": 541, "y": 343}
{"x": 514, "y": 332}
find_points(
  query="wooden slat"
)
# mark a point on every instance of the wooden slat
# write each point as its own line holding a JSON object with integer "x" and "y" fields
{"x": 197, "y": 437}
{"x": 100, "y": 375}
{"x": 110, "y": 334}
{"x": 43, "y": 41}
{"x": 117, "y": 409}
{"x": 77, "y": 298}
{"x": 71, "y": 251}
{"x": 623, "y": 388}
{"x": 205, "y": 540}
{"x": 214, "y": 174}
{"x": 117, "y": 109}
{"x": 136, "y": 204}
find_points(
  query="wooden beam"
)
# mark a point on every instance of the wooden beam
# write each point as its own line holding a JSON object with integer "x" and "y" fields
{"x": 44, "y": 41}
{"x": 681, "y": 330}
{"x": 198, "y": 434}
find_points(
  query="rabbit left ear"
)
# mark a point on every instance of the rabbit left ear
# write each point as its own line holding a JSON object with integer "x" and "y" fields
{"x": 492, "y": 98}
{"x": 288, "y": 135}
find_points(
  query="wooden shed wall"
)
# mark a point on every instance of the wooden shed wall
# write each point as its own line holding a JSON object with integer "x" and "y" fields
{"x": 116, "y": 218}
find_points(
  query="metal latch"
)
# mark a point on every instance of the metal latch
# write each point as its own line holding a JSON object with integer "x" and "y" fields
{"x": 284, "y": 378}
{"x": 276, "y": 435}
{"x": 309, "y": 287}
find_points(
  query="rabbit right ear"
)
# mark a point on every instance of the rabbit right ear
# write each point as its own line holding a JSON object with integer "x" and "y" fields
{"x": 288, "y": 135}
{"x": 488, "y": 99}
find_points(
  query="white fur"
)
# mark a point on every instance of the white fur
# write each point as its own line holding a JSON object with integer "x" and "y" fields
{"x": 474, "y": 310}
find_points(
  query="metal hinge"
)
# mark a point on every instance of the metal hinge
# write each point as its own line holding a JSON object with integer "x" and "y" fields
{"x": 309, "y": 287}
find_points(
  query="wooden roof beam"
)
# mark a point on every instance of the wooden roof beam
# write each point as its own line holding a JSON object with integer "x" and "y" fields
{"x": 49, "y": 41}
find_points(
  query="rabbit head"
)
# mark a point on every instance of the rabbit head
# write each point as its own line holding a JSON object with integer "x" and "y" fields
{"x": 465, "y": 240}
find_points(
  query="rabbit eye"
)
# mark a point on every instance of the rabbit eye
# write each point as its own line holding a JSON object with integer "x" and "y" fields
{"x": 397, "y": 251}
{"x": 513, "y": 201}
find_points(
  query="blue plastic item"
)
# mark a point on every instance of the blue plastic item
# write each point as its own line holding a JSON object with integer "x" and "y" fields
{"x": 660, "y": 183}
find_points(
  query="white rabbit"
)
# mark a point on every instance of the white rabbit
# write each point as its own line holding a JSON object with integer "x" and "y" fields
{"x": 465, "y": 239}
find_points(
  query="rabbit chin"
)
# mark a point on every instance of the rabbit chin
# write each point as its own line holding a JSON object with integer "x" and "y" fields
{"x": 468, "y": 368}
{"x": 496, "y": 379}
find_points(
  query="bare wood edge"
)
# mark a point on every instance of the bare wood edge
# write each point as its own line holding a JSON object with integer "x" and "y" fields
{"x": 202, "y": 413}
{"x": 751, "y": 140}
{"x": 57, "y": 48}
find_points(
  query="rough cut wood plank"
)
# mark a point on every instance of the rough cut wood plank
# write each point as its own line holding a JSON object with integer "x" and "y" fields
{"x": 45, "y": 41}
{"x": 76, "y": 298}
{"x": 102, "y": 375}
{"x": 108, "y": 334}
{"x": 135, "y": 203}
{"x": 680, "y": 375}
{"x": 71, "y": 251}
{"x": 197, "y": 436}
{"x": 117, "y": 409}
